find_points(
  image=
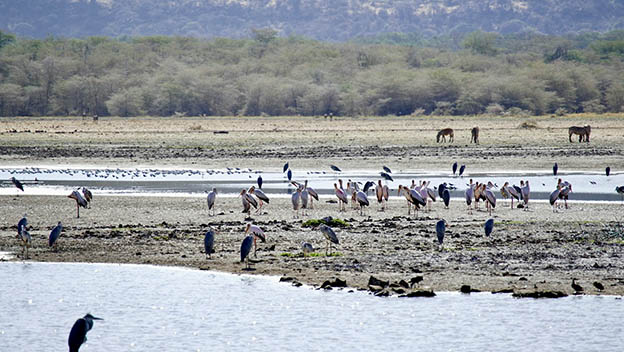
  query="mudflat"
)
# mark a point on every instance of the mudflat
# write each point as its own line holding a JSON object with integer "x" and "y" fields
{"x": 535, "y": 250}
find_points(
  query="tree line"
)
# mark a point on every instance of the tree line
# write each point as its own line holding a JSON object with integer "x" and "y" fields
{"x": 479, "y": 73}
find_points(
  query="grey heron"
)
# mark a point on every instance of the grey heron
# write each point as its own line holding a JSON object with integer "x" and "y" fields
{"x": 488, "y": 227}
{"x": 88, "y": 196}
{"x": 17, "y": 184}
{"x": 210, "y": 199}
{"x": 387, "y": 169}
{"x": 259, "y": 181}
{"x": 78, "y": 333}
{"x": 54, "y": 234}
{"x": 335, "y": 168}
{"x": 440, "y": 230}
{"x": 462, "y": 169}
{"x": 446, "y": 197}
{"x": 24, "y": 236}
{"x": 555, "y": 169}
{"x": 362, "y": 200}
{"x": 306, "y": 248}
{"x": 285, "y": 167}
{"x": 330, "y": 236}
{"x": 454, "y": 168}
{"x": 608, "y": 171}
{"x": 209, "y": 242}
{"x": 246, "y": 249}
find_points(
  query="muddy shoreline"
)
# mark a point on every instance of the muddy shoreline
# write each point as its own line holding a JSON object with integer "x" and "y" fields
{"x": 534, "y": 251}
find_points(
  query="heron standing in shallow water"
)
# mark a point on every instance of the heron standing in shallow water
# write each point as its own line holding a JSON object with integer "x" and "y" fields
{"x": 17, "y": 184}
{"x": 78, "y": 333}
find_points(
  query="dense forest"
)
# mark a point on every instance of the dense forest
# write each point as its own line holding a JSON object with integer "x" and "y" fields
{"x": 327, "y": 20}
{"x": 391, "y": 74}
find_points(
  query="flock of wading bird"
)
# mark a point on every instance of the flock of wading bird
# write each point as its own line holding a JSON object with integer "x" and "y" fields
{"x": 419, "y": 196}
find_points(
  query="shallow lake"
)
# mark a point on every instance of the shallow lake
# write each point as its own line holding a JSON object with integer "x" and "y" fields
{"x": 148, "y": 308}
{"x": 587, "y": 186}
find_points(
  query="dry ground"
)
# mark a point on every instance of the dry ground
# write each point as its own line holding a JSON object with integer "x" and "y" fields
{"x": 403, "y": 143}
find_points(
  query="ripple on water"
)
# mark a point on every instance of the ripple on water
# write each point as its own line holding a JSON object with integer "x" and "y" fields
{"x": 147, "y": 308}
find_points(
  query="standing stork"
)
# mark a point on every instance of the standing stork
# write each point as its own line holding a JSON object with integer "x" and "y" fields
{"x": 260, "y": 195}
{"x": 469, "y": 194}
{"x": 296, "y": 200}
{"x": 17, "y": 184}
{"x": 490, "y": 199}
{"x": 313, "y": 194}
{"x": 554, "y": 196}
{"x": 80, "y": 202}
{"x": 342, "y": 198}
{"x": 526, "y": 191}
{"x": 256, "y": 232}
{"x": 248, "y": 201}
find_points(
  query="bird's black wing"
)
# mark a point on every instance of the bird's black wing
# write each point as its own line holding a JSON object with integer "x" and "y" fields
{"x": 77, "y": 335}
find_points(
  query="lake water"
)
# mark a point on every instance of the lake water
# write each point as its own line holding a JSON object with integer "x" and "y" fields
{"x": 148, "y": 308}
{"x": 587, "y": 186}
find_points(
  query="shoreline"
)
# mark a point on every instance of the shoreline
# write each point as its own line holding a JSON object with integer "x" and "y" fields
{"x": 169, "y": 232}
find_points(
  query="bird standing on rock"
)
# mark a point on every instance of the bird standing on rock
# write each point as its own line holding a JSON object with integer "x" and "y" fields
{"x": 576, "y": 287}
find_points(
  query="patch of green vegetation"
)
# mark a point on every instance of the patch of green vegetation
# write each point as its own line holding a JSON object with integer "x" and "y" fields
{"x": 298, "y": 255}
{"x": 332, "y": 222}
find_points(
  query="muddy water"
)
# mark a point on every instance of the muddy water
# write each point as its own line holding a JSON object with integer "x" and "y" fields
{"x": 49, "y": 181}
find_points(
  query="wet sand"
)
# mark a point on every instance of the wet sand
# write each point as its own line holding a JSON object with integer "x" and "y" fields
{"x": 535, "y": 250}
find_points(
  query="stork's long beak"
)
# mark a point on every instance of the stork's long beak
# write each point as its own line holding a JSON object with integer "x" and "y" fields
{"x": 96, "y": 318}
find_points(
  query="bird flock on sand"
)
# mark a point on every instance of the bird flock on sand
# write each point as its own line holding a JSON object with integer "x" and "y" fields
{"x": 419, "y": 196}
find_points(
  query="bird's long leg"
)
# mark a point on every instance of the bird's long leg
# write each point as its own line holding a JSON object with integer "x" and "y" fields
{"x": 77, "y": 211}
{"x": 255, "y": 246}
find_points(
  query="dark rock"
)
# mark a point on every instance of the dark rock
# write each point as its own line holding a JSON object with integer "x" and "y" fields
{"x": 399, "y": 290}
{"x": 336, "y": 283}
{"x": 415, "y": 280}
{"x": 523, "y": 279}
{"x": 404, "y": 284}
{"x": 420, "y": 293}
{"x": 465, "y": 289}
{"x": 297, "y": 284}
{"x": 286, "y": 279}
{"x": 376, "y": 282}
{"x": 539, "y": 294}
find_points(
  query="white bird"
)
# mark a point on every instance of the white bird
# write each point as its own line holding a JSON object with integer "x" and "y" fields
{"x": 257, "y": 233}
{"x": 526, "y": 191}
{"x": 342, "y": 197}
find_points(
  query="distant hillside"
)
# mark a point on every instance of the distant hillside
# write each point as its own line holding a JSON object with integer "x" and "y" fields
{"x": 319, "y": 19}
